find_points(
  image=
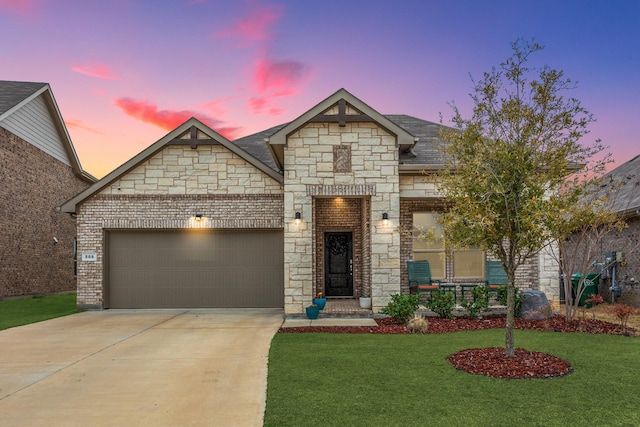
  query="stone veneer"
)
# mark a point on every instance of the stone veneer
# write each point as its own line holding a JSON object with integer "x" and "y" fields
{"x": 309, "y": 160}
{"x": 34, "y": 185}
{"x": 165, "y": 192}
{"x": 209, "y": 169}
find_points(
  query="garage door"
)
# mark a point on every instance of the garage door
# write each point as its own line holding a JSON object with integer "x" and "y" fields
{"x": 195, "y": 269}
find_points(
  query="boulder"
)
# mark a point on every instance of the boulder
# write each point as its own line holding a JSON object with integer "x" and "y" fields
{"x": 535, "y": 305}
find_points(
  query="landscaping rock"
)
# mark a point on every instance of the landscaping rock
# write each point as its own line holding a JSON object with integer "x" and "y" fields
{"x": 535, "y": 305}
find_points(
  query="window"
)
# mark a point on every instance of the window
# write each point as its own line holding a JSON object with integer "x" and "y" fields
{"x": 428, "y": 244}
{"x": 468, "y": 263}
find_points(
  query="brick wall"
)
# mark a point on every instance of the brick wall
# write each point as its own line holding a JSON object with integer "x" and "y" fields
{"x": 527, "y": 275}
{"x": 154, "y": 212}
{"x": 626, "y": 241}
{"x": 34, "y": 184}
{"x": 342, "y": 214}
{"x": 165, "y": 192}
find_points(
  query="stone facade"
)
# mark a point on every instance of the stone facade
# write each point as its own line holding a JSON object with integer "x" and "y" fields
{"x": 309, "y": 156}
{"x": 166, "y": 192}
{"x": 341, "y": 172}
{"x": 209, "y": 169}
{"x": 34, "y": 185}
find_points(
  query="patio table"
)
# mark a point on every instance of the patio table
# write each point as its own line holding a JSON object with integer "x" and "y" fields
{"x": 466, "y": 287}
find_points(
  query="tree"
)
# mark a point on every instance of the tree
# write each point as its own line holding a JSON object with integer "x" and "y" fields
{"x": 508, "y": 162}
{"x": 579, "y": 227}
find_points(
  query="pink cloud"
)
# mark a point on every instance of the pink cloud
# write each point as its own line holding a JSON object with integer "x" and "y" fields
{"x": 260, "y": 104}
{"x": 28, "y": 8}
{"x": 99, "y": 71}
{"x": 275, "y": 111}
{"x": 170, "y": 119}
{"x": 78, "y": 124}
{"x": 275, "y": 79}
{"x": 217, "y": 105}
{"x": 279, "y": 75}
{"x": 255, "y": 27}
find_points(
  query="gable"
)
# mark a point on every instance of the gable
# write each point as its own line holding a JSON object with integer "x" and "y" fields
{"x": 34, "y": 124}
{"x": 186, "y": 159}
{"x": 340, "y": 108}
{"x": 29, "y": 111}
{"x": 206, "y": 169}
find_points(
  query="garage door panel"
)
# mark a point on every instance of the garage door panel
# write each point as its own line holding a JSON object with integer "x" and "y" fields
{"x": 184, "y": 269}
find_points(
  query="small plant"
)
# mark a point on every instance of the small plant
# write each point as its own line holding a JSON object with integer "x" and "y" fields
{"x": 479, "y": 303}
{"x": 442, "y": 303}
{"x": 622, "y": 312}
{"x": 592, "y": 301}
{"x": 418, "y": 325}
{"x": 402, "y": 307}
{"x": 502, "y": 299}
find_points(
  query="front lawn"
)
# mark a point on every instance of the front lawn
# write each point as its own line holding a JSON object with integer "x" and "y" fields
{"x": 325, "y": 379}
{"x": 30, "y": 310}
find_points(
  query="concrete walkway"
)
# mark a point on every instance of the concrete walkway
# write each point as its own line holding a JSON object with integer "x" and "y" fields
{"x": 328, "y": 321}
{"x": 138, "y": 368}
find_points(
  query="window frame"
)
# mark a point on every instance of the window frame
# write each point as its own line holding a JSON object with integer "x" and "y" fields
{"x": 448, "y": 269}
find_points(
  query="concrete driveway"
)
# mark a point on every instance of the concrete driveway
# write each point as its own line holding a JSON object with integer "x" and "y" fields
{"x": 138, "y": 368}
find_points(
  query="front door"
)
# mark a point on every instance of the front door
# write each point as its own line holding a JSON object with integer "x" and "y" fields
{"x": 338, "y": 264}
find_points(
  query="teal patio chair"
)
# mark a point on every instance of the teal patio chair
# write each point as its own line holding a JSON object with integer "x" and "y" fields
{"x": 496, "y": 277}
{"x": 420, "y": 280}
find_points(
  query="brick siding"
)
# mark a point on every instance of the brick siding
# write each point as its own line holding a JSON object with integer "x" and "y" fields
{"x": 626, "y": 241}
{"x": 34, "y": 184}
{"x": 343, "y": 214}
{"x": 153, "y": 212}
{"x": 527, "y": 275}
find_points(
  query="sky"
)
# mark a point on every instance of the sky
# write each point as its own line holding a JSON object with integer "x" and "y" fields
{"x": 126, "y": 72}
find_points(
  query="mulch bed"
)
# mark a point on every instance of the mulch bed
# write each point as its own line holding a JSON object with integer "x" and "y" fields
{"x": 490, "y": 361}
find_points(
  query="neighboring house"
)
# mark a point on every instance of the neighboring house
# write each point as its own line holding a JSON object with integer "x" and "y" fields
{"x": 39, "y": 170}
{"x": 626, "y": 242}
{"x": 269, "y": 220}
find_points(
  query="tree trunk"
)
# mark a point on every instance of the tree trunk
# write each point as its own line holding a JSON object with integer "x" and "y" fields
{"x": 508, "y": 332}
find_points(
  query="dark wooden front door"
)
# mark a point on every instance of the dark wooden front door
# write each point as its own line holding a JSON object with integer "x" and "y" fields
{"x": 338, "y": 264}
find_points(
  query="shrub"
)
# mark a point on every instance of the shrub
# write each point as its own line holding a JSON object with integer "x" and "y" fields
{"x": 622, "y": 313}
{"x": 479, "y": 303}
{"x": 502, "y": 299}
{"x": 418, "y": 325}
{"x": 402, "y": 307}
{"x": 442, "y": 303}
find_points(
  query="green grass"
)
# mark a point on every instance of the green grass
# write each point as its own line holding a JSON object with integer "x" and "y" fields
{"x": 404, "y": 380}
{"x": 30, "y": 310}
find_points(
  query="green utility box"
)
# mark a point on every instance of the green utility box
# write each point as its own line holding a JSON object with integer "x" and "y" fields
{"x": 590, "y": 286}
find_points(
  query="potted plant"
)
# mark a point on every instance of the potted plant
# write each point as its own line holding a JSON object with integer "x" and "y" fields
{"x": 312, "y": 311}
{"x": 320, "y": 301}
{"x": 365, "y": 301}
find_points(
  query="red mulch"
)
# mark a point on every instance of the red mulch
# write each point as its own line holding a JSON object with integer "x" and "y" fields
{"x": 493, "y": 362}
{"x": 490, "y": 361}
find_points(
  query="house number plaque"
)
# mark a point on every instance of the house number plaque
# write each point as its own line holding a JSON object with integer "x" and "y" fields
{"x": 89, "y": 256}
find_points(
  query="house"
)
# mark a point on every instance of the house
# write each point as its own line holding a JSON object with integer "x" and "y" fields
{"x": 626, "y": 242}
{"x": 39, "y": 170}
{"x": 271, "y": 219}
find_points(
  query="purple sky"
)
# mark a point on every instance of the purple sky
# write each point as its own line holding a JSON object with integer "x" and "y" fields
{"x": 126, "y": 72}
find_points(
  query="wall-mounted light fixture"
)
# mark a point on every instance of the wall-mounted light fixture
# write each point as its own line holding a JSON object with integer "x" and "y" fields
{"x": 298, "y": 217}
{"x": 198, "y": 217}
{"x": 385, "y": 218}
